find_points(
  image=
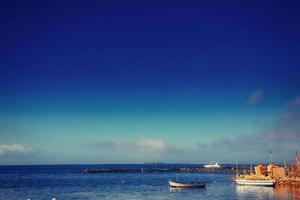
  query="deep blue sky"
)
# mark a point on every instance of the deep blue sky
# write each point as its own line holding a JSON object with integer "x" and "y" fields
{"x": 168, "y": 77}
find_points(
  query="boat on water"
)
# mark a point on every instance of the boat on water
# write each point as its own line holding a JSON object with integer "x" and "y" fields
{"x": 255, "y": 182}
{"x": 261, "y": 177}
{"x": 177, "y": 184}
{"x": 212, "y": 165}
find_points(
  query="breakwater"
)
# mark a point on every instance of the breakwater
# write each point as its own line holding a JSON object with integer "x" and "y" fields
{"x": 295, "y": 181}
{"x": 223, "y": 170}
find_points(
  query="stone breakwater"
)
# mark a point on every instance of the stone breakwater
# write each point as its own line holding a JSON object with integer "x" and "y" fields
{"x": 224, "y": 170}
{"x": 288, "y": 181}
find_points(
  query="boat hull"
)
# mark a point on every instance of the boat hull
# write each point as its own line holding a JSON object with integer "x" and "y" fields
{"x": 186, "y": 185}
{"x": 255, "y": 182}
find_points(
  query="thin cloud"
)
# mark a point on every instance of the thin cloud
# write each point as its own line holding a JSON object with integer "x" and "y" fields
{"x": 142, "y": 145}
{"x": 255, "y": 97}
{"x": 146, "y": 149}
{"x": 294, "y": 103}
{"x": 14, "y": 149}
{"x": 283, "y": 138}
{"x": 154, "y": 144}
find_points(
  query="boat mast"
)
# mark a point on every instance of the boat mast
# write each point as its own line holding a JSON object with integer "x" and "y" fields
{"x": 237, "y": 170}
{"x": 243, "y": 169}
{"x": 271, "y": 156}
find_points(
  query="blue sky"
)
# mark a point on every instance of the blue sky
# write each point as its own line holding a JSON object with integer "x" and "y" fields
{"x": 99, "y": 81}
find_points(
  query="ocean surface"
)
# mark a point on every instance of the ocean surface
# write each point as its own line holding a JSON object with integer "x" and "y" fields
{"x": 69, "y": 182}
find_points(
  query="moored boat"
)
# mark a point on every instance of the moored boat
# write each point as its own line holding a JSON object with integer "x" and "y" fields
{"x": 255, "y": 182}
{"x": 178, "y": 184}
{"x": 212, "y": 165}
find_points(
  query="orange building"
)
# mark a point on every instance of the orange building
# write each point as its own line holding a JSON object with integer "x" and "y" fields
{"x": 278, "y": 172}
{"x": 260, "y": 170}
{"x": 269, "y": 168}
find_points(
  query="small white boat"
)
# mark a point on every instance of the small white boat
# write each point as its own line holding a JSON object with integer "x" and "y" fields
{"x": 186, "y": 184}
{"x": 258, "y": 182}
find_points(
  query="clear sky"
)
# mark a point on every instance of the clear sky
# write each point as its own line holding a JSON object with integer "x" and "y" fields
{"x": 141, "y": 81}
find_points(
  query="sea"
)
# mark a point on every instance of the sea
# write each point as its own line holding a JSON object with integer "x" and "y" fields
{"x": 64, "y": 182}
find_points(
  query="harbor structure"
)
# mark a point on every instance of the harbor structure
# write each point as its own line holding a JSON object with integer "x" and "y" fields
{"x": 294, "y": 169}
{"x": 281, "y": 175}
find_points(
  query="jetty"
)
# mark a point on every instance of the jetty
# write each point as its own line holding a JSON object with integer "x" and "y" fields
{"x": 187, "y": 169}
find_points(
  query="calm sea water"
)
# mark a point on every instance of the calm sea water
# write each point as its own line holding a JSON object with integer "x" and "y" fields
{"x": 69, "y": 182}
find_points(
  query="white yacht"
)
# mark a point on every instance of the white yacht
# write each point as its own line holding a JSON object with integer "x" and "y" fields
{"x": 212, "y": 165}
{"x": 257, "y": 182}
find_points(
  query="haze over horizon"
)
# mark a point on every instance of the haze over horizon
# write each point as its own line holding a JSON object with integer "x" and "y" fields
{"x": 144, "y": 81}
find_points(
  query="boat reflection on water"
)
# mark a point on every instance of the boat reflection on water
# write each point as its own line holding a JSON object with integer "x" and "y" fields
{"x": 173, "y": 189}
{"x": 287, "y": 192}
{"x": 178, "y": 189}
{"x": 254, "y": 192}
{"x": 279, "y": 192}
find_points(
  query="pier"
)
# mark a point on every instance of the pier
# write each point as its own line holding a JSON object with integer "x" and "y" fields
{"x": 223, "y": 170}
